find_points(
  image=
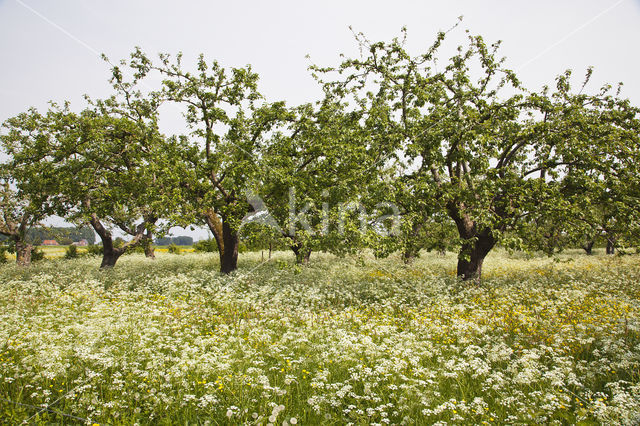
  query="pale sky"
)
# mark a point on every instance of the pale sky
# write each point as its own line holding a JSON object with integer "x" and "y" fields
{"x": 50, "y": 50}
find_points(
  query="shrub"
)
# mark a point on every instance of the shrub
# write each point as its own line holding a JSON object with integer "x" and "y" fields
{"x": 136, "y": 249}
{"x": 174, "y": 249}
{"x": 208, "y": 246}
{"x": 64, "y": 241}
{"x": 37, "y": 255}
{"x": 95, "y": 250}
{"x": 71, "y": 252}
{"x": 3, "y": 254}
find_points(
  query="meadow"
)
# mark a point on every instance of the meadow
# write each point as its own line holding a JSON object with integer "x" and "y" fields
{"x": 343, "y": 341}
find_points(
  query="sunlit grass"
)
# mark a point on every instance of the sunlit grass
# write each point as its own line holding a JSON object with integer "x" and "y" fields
{"x": 355, "y": 340}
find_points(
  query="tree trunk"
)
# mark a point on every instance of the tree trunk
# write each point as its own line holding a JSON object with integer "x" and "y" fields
{"x": 227, "y": 240}
{"x": 229, "y": 256}
{"x": 149, "y": 251}
{"x": 475, "y": 247}
{"x": 147, "y": 243}
{"x": 23, "y": 252}
{"x": 412, "y": 249}
{"x": 611, "y": 245}
{"x": 408, "y": 256}
{"x": 472, "y": 256}
{"x": 110, "y": 256}
{"x": 588, "y": 247}
{"x": 302, "y": 254}
{"x": 147, "y": 238}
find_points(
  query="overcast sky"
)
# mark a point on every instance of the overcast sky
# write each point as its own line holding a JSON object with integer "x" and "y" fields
{"x": 50, "y": 50}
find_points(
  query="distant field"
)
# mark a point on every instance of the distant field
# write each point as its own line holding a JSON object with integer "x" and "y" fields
{"x": 54, "y": 252}
{"x": 184, "y": 249}
{"x": 355, "y": 340}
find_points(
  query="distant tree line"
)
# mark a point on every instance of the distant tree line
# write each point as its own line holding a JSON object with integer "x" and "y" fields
{"x": 179, "y": 241}
{"x": 62, "y": 235}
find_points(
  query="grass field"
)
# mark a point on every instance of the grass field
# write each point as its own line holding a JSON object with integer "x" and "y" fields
{"x": 354, "y": 340}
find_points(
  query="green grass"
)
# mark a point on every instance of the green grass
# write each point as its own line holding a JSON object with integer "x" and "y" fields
{"x": 354, "y": 340}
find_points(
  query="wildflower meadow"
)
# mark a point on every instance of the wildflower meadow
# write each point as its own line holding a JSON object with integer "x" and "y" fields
{"x": 354, "y": 341}
{"x": 407, "y": 222}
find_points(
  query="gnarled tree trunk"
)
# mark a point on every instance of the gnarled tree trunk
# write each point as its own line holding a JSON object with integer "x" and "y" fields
{"x": 229, "y": 256}
{"x": 475, "y": 246}
{"x": 16, "y": 229}
{"x": 302, "y": 254}
{"x": 588, "y": 247}
{"x": 611, "y": 245}
{"x": 227, "y": 240}
{"x": 23, "y": 252}
{"x": 472, "y": 256}
{"x": 149, "y": 251}
{"x": 147, "y": 243}
{"x": 110, "y": 254}
{"x": 147, "y": 237}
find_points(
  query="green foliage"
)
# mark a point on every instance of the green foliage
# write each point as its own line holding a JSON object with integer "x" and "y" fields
{"x": 174, "y": 249}
{"x": 3, "y": 254}
{"x": 64, "y": 235}
{"x": 319, "y": 168}
{"x": 138, "y": 249}
{"x": 119, "y": 242}
{"x": 181, "y": 240}
{"x": 207, "y": 246}
{"x": 19, "y": 210}
{"x": 95, "y": 250}
{"x": 256, "y": 236}
{"x": 37, "y": 255}
{"x": 71, "y": 252}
